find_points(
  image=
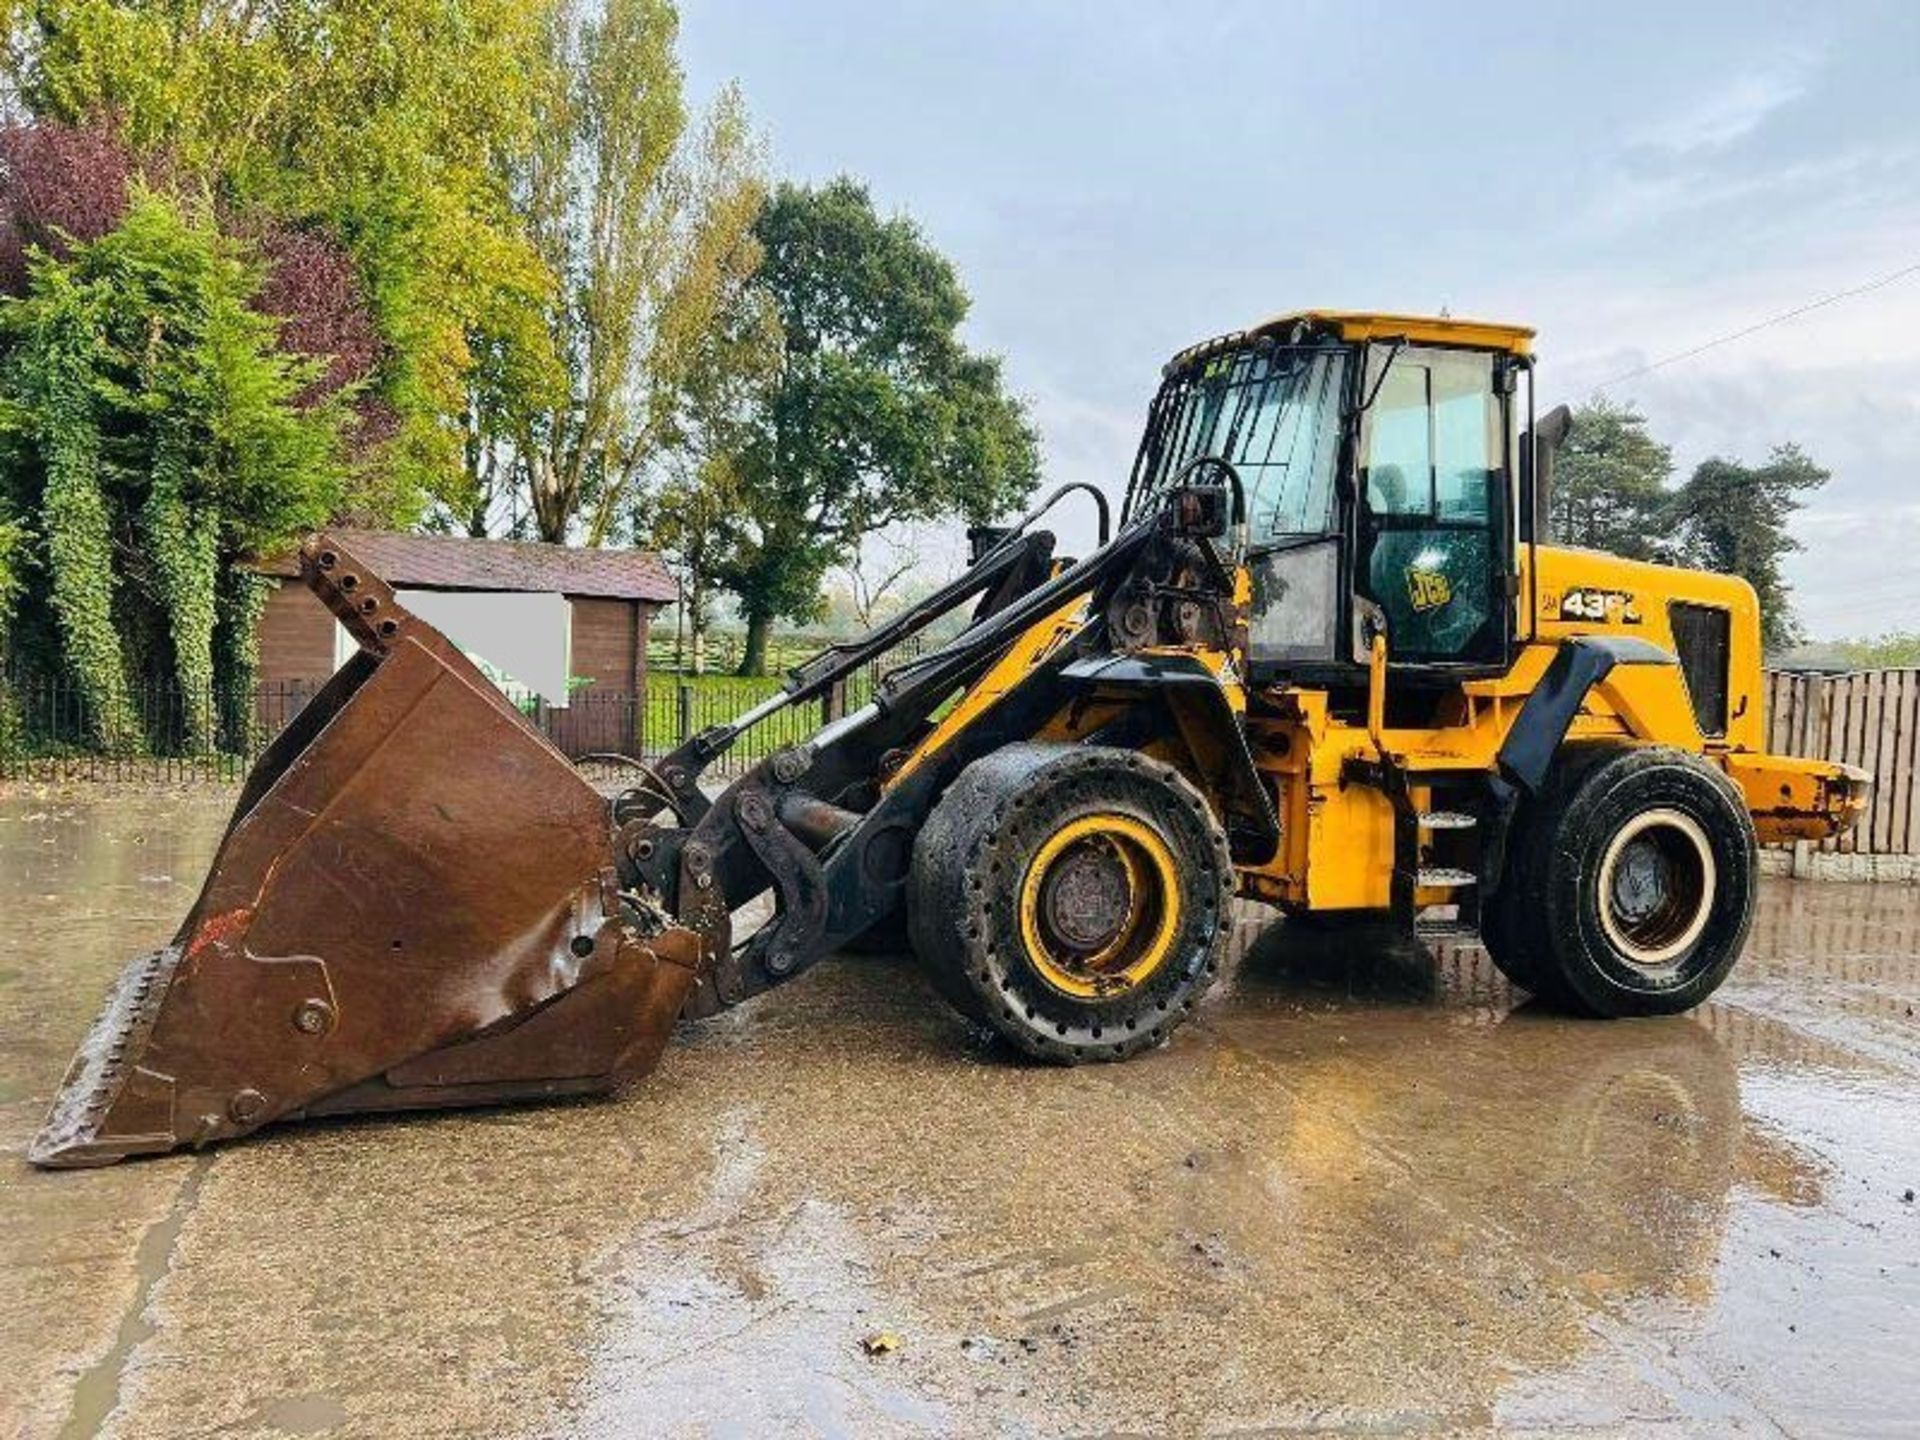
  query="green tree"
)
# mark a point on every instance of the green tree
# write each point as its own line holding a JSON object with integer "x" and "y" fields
{"x": 646, "y": 223}
{"x": 383, "y": 121}
{"x": 151, "y": 433}
{"x": 13, "y": 579}
{"x": 1610, "y": 483}
{"x": 1895, "y": 650}
{"x": 705, "y": 423}
{"x": 1735, "y": 519}
{"x": 874, "y": 413}
{"x": 13, "y": 542}
{"x": 688, "y": 525}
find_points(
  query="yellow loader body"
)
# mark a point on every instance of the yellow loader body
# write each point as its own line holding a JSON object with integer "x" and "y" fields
{"x": 1326, "y": 660}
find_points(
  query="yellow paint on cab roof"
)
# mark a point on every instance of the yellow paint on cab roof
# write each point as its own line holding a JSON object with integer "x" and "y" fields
{"x": 1360, "y": 325}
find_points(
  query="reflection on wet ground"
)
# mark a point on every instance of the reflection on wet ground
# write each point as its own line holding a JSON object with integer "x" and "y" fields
{"x": 1365, "y": 1190}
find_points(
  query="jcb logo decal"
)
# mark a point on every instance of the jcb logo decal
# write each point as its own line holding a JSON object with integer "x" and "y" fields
{"x": 1613, "y": 607}
{"x": 1429, "y": 589}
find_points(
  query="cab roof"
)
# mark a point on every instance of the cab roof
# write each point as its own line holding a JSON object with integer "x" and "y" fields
{"x": 1415, "y": 329}
{"x": 1358, "y": 326}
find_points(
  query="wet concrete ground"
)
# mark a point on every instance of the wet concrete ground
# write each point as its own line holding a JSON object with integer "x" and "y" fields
{"x": 1357, "y": 1194}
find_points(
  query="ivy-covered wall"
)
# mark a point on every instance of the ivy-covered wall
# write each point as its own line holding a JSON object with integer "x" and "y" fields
{"x": 153, "y": 435}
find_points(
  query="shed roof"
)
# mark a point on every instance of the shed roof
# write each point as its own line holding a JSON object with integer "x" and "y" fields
{"x": 459, "y": 562}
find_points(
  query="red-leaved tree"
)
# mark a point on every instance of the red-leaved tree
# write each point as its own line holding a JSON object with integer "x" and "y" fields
{"x": 60, "y": 185}
{"x": 63, "y": 185}
{"x": 311, "y": 286}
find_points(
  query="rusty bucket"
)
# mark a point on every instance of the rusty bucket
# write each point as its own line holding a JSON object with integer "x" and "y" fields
{"x": 415, "y": 904}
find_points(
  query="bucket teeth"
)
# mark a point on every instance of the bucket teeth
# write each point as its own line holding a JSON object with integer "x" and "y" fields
{"x": 72, "y": 1135}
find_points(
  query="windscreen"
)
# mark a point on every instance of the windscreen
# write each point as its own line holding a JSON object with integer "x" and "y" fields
{"x": 1273, "y": 411}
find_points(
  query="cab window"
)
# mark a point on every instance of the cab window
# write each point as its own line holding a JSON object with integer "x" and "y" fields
{"x": 1291, "y": 450}
{"x": 1274, "y": 412}
{"x": 1433, "y": 446}
{"x": 1429, "y": 528}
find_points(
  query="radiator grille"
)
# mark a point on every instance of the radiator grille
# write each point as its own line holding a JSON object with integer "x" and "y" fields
{"x": 1700, "y": 635}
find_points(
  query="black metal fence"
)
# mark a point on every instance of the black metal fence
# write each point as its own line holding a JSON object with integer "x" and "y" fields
{"x": 47, "y": 731}
{"x": 721, "y": 650}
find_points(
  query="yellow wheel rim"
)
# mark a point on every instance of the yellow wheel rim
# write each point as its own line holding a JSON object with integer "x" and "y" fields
{"x": 1100, "y": 906}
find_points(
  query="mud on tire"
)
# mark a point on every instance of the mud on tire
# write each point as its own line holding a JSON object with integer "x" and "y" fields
{"x": 1631, "y": 888}
{"x": 1110, "y": 862}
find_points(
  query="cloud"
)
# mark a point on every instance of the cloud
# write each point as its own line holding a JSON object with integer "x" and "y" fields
{"x": 1733, "y": 110}
{"x": 1855, "y": 574}
{"x": 1856, "y": 578}
{"x": 1634, "y": 194}
{"x": 1743, "y": 146}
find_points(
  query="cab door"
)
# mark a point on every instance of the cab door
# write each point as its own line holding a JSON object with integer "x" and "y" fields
{"x": 1432, "y": 532}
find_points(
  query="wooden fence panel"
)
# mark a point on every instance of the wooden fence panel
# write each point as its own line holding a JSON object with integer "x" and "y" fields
{"x": 1893, "y": 733}
{"x": 1836, "y": 741}
{"x": 1884, "y": 841}
{"x": 1780, "y": 710}
{"x": 1865, "y": 746}
{"x": 1881, "y": 716}
{"x": 1870, "y": 718}
{"x": 1906, "y": 794}
{"x": 1865, "y": 734}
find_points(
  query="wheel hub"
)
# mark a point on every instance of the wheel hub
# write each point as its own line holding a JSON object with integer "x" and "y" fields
{"x": 1086, "y": 896}
{"x": 1657, "y": 883}
{"x": 1642, "y": 883}
{"x": 1099, "y": 906}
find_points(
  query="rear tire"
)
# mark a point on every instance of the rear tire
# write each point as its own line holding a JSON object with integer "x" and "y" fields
{"x": 1511, "y": 923}
{"x": 1500, "y": 932}
{"x": 1631, "y": 888}
{"x": 1074, "y": 898}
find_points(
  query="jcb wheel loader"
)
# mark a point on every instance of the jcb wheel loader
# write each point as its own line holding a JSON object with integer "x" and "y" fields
{"x": 1325, "y": 661}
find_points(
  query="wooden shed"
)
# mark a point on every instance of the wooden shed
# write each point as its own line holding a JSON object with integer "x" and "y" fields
{"x": 611, "y": 597}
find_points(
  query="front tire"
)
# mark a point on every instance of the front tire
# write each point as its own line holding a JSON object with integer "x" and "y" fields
{"x": 1632, "y": 888}
{"x": 1074, "y": 898}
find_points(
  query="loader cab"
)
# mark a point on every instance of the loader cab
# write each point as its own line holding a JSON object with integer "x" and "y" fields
{"x": 1378, "y": 459}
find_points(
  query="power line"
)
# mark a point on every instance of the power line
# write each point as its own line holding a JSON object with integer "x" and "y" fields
{"x": 1784, "y": 315}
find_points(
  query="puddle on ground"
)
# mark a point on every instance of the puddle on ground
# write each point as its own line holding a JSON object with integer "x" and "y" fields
{"x": 80, "y": 879}
{"x": 303, "y": 1415}
{"x": 1365, "y": 1189}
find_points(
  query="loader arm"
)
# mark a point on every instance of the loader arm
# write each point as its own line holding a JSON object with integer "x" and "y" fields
{"x": 1015, "y": 561}
{"x": 828, "y": 825}
{"x": 1009, "y": 570}
{"x": 810, "y": 822}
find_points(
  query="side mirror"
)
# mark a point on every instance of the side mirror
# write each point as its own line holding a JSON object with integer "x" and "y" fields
{"x": 1550, "y": 432}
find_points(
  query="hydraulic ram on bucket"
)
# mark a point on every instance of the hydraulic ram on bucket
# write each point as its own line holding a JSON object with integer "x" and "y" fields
{"x": 416, "y": 903}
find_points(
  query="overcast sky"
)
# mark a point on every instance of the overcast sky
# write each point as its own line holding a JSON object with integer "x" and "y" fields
{"x": 1117, "y": 180}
